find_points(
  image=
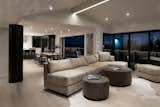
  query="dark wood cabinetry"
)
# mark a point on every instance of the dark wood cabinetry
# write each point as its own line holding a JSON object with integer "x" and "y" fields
{"x": 47, "y": 41}
{"x": 36, "y": 41}
{"x": 51, "y": 41}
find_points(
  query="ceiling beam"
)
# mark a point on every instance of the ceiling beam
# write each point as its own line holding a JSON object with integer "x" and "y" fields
{"x": 89, "y": 4}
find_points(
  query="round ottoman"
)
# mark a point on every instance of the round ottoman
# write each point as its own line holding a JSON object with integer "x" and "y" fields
{"x": 118, "y": 76}
{"x": 96, "y": 89}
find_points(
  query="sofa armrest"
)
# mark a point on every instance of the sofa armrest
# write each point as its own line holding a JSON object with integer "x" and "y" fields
{"x": 46, "y": 71}
{"x": 112, "y": 58}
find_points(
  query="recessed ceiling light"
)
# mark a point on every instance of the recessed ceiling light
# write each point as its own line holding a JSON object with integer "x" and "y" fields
{"x": 107, "y": 19}
{"x": 50, "y": 8}
{"x": 90, "y": 7}
{"x": 128, "y": 14}
{"x": 52, "y": 28}
{"x": 69, "y": 30}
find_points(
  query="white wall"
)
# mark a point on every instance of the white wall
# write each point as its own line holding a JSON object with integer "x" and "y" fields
{"x": 27, "y": 42}
{"x": 66, "y": 17}
{"x": 4, "y": 47}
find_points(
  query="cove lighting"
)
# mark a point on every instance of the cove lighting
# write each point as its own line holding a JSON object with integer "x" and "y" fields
{"x": 90, "y": 7}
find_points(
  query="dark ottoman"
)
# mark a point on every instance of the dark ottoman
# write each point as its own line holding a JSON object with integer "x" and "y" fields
{"x": 118, "y": 76}
{"x": 96, "y": 89}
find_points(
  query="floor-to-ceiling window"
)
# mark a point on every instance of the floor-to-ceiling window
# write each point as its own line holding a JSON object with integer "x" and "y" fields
{"x": 139, "y": 43}
{"x": 155, "y": 47}
{"x": 107, "y": 42}
{"x": 135, "y": 47}
{"x": 74, "y": 46}
{"x": 120, "y": 42}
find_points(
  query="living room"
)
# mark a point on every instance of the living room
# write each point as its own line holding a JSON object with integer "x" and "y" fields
{"x": 80, "y": 53}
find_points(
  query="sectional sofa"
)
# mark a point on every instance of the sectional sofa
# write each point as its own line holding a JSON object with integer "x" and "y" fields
{"x": 65, "y": 76}
{"x": 148, "y": 71}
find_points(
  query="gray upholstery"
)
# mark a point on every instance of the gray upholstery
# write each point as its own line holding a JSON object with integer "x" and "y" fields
{"x": 66, "y": 78}
{"x": 64, "y": 90}
{"x": 59, "y": 65}
{"x": 67, "y": 81}
{"x": 96, "y": 89}
{"x": 147, "y": 71}
{"x": 118, "y": 63}
{"x": 118, "y": 76}
{"x": 104, "y": 56}
{"x": 91, "y": 59}
{"x": 77, "y": 62}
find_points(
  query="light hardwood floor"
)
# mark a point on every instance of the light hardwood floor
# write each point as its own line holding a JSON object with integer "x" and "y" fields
{"x": 30, "y": 93}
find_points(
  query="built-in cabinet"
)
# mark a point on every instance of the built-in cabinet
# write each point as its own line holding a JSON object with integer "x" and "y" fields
{"x": 46, "y": 43}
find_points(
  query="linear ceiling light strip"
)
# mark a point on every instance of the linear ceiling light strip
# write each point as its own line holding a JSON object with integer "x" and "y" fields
{"x": 90, "y": 7}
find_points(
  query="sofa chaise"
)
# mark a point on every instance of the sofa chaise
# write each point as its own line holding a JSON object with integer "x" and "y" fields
{"x": 148, "y": 71}
{"x": 65, "y": 76}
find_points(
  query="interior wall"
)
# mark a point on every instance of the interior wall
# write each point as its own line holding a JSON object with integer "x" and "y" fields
{"x": 89, "y": 44}
{"x": 66, "y": 17}
{"x": 4, "y": 47}
{"x": 27, "y": 42}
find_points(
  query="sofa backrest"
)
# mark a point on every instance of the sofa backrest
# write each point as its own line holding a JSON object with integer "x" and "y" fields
{"x": 65, "y": 64}
{"x": 91, "y": 59}
{"x": 104, "y": 56}
{"x": 60, "y": 65}
{"x": 77, "y": 62}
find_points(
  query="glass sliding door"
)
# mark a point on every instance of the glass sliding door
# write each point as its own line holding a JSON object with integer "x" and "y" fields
{"x": 139, "y": 43}
{"x": 74, "y": 46}
{"x": 107, "y": 42}
{"x": 120, "y": 42}
{"x": 155, "y": 47}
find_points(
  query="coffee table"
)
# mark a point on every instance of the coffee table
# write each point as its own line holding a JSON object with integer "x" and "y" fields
{"x": 118, "y": 76}
{"x": 96, "y": 89}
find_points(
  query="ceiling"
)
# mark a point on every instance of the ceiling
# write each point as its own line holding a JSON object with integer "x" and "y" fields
{"x": 11, "y": 11}
{"x": 142, "y": 11}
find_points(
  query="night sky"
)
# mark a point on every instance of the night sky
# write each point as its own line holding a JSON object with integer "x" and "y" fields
{"x": 75, "y": 41}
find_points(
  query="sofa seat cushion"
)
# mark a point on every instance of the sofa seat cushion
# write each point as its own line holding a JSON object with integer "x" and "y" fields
{"x": 99, "y": 66}
{"x": 93, "y": 68}
{"x": 60, "y": 65}
{"x": 91, "y": 59}
{"x": 66, "y": 78}
{"x": 117, "y": 63}
{"x": 77, "y": 62}
{"x": 148, "y": 69}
